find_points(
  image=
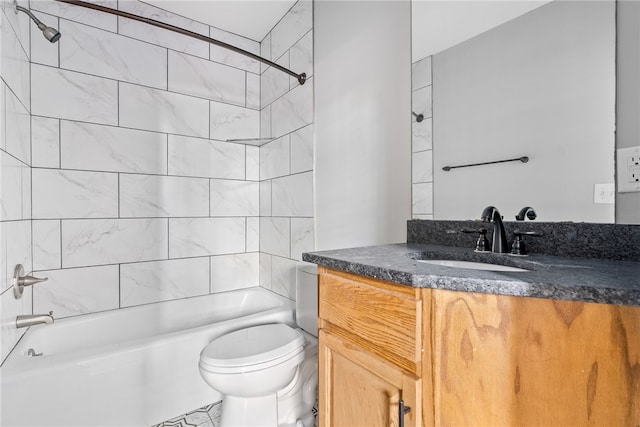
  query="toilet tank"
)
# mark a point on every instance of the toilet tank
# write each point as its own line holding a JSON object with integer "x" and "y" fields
{"x": 307, "y": 297}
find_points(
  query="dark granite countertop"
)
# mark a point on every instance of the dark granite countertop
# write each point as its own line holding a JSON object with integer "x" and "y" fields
{"x": 552, "y": 277}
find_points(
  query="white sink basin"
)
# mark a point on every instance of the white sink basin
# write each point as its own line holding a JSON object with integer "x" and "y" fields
{"x": 471, "y": 265}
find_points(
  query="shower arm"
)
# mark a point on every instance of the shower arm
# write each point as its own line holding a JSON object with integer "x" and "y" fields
{"x": 300, "y": 77}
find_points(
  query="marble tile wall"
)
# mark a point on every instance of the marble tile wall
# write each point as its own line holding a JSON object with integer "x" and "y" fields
{"x": 286, "y": 163}
{"x": 15, "y": 169}
{"x": 422, "y": 140}
{"x": 117, "y": 182}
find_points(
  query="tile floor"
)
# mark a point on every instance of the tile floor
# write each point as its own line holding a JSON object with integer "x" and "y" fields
{"x": 208, "y": 416}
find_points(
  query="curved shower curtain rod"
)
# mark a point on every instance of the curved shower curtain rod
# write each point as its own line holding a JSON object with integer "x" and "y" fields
{"x": 300, "y": 77}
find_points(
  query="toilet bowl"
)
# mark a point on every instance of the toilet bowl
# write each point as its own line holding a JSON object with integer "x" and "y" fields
{"x": 268, "y": 373}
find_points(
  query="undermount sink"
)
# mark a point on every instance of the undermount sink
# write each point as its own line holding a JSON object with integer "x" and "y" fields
{"x": 470, "y": 265}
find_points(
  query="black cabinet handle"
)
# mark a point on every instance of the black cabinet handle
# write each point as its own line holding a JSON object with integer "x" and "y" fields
{"x": 402, "y": 411}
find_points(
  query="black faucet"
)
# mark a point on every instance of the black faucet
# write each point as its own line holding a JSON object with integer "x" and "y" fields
{"x": 499, "y": 243}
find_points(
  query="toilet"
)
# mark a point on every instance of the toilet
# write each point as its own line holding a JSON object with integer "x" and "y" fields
{"x": 268, "y": 374}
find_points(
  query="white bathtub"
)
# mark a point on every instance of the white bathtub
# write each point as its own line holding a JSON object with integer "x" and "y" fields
{"x": 131, "y": 367}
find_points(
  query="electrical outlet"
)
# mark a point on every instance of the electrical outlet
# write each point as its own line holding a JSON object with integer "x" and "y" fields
{"x": 628, "y": 169}
{"x": 604, "y": 193}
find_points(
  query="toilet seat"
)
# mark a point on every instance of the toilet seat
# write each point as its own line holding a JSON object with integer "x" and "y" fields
{"x": 254, "y": 348}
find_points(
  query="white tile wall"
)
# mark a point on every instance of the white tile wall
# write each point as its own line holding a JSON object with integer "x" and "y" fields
{"x": 253, "y": 234}
{"x": 295, "y": 24}
{"x": 275, "y": 236}
{"x": 286, "y": 164}
{"x": 421, "y": 73}
{"x": 253, "y": 91}
{"x": 93, "y": 51}
{"x": 237, "y": 271}
{"x": 253, "y": 163}
{"x": 136, "y": 196}
{"x": 158, "y": 36}
{"x": 231, "y": 58}
{"x": 293, "y": 195}
{"x": 74, "y": 194}
{"x": 190, "y": 237}
{"x": 265, "y": 198}
{"x": 163, "y": 196}
{"x": 74, "y": 96}
{"x": 9, "y": 309}
{"x": 274, "y": 158}
{"x": 15, "y": 171}
{"x": 301, "y": 57}
{"x": 75, "y": 291}
{"x": 45, "y": 142}
{"x": 17, "y": 127}
{"x": 421, "y": 101}
{"x": 15, "y": 63}
{"x": 16, "y": 248}
{"x": 15, "y": 185}
{"x": 265, "y": 51}
{"x": 275, "y": 83}
{"x": 204, "y": 158}
{"x": 148, "y": 282}
{"x": 422, "y": 140}
{"x": 302, "y": 150}
{"x": 42, "y": 52}
{"x": 293, "y": 110}
{"x": 107, "y": 148}
{"x": 422, "y": 198}
{"x": 19, "y": 22}
{"x": 80, "y": 14}
{"x": 422, "y": 167}
{"x": 234, "y": 198}
{"x": 422, "y": 135}
{"x": 157, "y": 110}
{"x": 199, "y": 77}
{"x": 46, "y": 245}
{"x": 283, "y": 276}
{"x": 231, "y": 122}
{"x": 301, "y": 237}
{"x": 88, "y": 242}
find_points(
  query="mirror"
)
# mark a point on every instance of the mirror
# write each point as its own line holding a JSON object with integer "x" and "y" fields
{"x": 502, "y": 80}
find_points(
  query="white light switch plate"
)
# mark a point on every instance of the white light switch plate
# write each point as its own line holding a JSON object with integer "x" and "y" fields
{"x": 628, "y": 169}
{"x": 604, "y": 193}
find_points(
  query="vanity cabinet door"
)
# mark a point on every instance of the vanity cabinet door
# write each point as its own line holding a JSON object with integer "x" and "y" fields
{"x": 358, "y": 389}
{"x": 513, "y": 361}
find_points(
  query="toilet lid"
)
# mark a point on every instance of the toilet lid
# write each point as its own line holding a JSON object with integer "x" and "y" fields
{"x": 249, "y": 346}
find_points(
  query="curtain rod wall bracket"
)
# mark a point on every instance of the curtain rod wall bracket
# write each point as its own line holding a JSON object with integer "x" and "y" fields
{"x": 302, "y": 78}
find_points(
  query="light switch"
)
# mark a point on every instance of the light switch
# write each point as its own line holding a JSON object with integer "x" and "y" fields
{"x": 628, "y": 169}
{"x": 604, "y": 194}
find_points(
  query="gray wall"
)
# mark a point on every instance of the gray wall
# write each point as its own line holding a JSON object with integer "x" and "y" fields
{"x": 363, "y": 135}
{"x": 628, "y": 99}
{"x": 541, "y": 85}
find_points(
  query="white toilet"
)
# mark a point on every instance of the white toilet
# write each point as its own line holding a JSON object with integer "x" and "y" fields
{"x": 268, "y": 374}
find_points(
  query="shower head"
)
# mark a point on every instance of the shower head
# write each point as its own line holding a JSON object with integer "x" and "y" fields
{"x": 49, "y": 33}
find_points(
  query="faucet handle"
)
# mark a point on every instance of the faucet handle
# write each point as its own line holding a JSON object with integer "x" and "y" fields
{"x": 528, "y": 212}
{"x": 482, "y": 244}
{"x": 20, "y": 280}
{"x": 517, "y": 247}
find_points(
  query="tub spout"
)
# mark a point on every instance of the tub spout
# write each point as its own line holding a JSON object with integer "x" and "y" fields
{"x": 22, "y": 321}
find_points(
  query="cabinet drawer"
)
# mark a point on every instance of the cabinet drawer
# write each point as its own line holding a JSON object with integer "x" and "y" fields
{"x": 382, "y": 317}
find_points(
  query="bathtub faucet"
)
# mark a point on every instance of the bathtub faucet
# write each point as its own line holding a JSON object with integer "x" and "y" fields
{"x": 22, "y": 321}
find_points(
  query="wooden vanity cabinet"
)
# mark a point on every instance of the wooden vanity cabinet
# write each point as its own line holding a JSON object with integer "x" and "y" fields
{"x": 469, "y": 359}
{"x": 370, "y": 351}
{"x": 514, "y": 361}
